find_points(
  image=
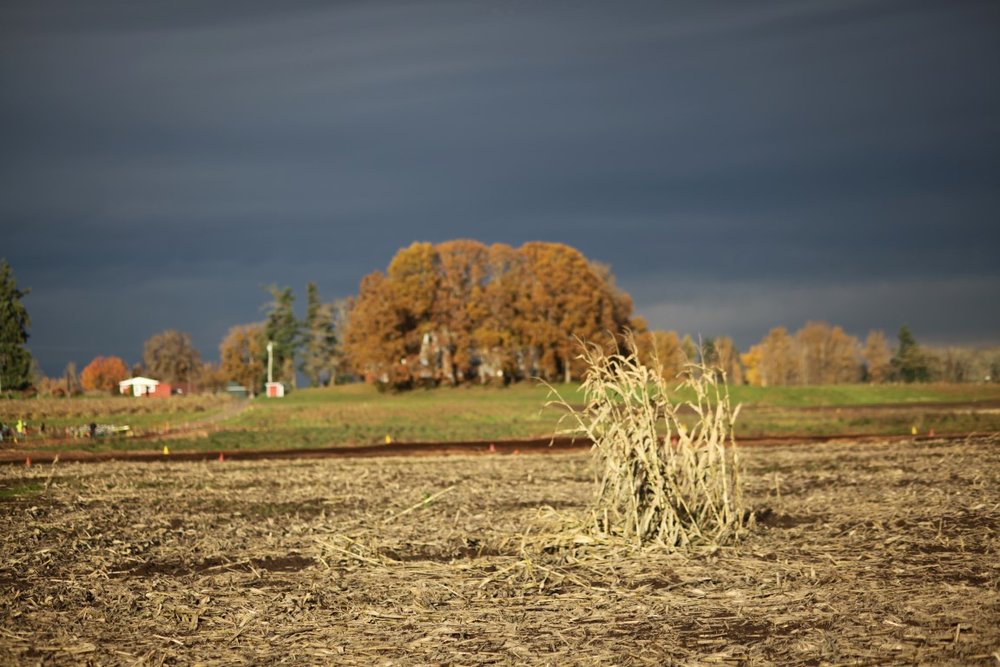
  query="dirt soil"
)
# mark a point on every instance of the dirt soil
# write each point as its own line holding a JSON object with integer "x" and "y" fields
{"x": 24, "y": 453}
{"x": 864, "y": 554}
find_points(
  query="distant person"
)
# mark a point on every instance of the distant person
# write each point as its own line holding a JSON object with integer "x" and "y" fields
{"x": 93, "y": 429}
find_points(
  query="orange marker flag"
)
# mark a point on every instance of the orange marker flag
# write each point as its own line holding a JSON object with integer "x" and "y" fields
{"x": 27, "y": 462}
{"x": 221, "y": 457}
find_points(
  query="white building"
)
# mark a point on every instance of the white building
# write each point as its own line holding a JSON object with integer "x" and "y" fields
{"x": 138, "y": 386}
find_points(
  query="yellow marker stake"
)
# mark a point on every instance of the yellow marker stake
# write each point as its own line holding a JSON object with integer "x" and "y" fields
{"x": 913, "y": 430}
{"x": 166, "y": 450}
{"x": 388, "y": 439}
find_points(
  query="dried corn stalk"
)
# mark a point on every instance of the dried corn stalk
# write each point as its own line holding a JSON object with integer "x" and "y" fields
{"x": 661, "y": 479}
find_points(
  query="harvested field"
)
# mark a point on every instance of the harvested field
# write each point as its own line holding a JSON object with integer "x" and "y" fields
{"x": 864, "y": 554}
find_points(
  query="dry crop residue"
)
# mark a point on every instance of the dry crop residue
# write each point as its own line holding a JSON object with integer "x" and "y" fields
{"x": 866, "y": 554}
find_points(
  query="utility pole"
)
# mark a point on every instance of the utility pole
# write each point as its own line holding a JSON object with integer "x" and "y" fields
{"x": 272, "y": 389}
{"x": 270, "y": 361}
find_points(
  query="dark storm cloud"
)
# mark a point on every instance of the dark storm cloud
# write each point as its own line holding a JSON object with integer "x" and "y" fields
{"x": 739, "y": 165}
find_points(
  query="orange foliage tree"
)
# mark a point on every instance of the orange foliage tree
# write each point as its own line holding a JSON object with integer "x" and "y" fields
{"x": 774, "y": 361}
{"x": 827, "y": 354}
{"x": 816, "y": 354}
{"x": 243, "y": 356}
{"x": 461, "y": 311}
{"x": 103, "y": 374}
{"x": 662, "y": 349}
{"x": 878, "y": 357}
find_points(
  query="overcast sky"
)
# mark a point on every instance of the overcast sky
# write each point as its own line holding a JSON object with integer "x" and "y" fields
{"x": 740, "y": 165}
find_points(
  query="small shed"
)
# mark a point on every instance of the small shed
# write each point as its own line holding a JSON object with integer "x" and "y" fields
{"x": 140, "y": 386}
{"x": 237, "y": 390}
{"x": 274, "y": 389}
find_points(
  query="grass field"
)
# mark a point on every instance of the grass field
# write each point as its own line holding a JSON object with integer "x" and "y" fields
{"x": 358, "y": 414}
{"x": 57, "y": 414}
{"x": 881, "y": 554}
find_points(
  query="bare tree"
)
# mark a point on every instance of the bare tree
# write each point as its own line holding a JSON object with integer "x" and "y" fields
{"x": 877, "y": 356}
{"x": 171, "y": 357}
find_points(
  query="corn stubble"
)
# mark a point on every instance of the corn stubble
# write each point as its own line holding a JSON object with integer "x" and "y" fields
{"x": 662, "y": 480}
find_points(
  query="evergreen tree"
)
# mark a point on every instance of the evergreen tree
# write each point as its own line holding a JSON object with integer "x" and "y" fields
{"x": 910, "y": 362}
{"x": 319, "y": 361}
{"x": 284, "y": 331}
{"x": 15, "y": 359}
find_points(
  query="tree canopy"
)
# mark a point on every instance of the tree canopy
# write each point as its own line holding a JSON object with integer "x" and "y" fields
{"x": 910, "y": 364}
{"x": 285, "y": 332}
{"x": 816, "y": 354}
{"x": 461, "y": 311}
{"x": 319, "y": 354}
{"x": 15, "y": 359}
{"x": 104, "y": 374}
{"x": 243, "y": 356}
{"x": 171, "y": 357}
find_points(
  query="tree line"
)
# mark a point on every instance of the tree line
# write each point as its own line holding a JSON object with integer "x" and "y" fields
{"x": 463, "y": 312}
{"x": 308, "y": 345}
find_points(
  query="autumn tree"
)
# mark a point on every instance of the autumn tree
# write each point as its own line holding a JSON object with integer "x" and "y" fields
{"x": 244, "y": 357}
{"x": 414, "y": 277}
{"x": 752, "y": 360}
{"x": 104, "y": 374}
{"x": 565, "y": 300}
{"x": 690, "y": 348}
{"x": 811, "y": 343}
{"x": 460, "y": 310}
{"x": 71, "y": 379}
{"x": 621, "y": 301}
{"x": 375, "y": 333}
{"x": 774, "y": 360}
{"x": 319, "y": 363}
{"x": 662, "y": 349}
{"x": 284, "y": 331}
{"x": 341, "y": 313}
{"x": 727, "y": 359}
{"x": 499, "y": 336}
{"x": 211, "y": 378}
{"x": 952, "y": 364}
{"x": 15, "y": 359}
{"x": 827, "y": 355}
{"x": 171, "y": 357}
{"x": 877, "y": 357}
